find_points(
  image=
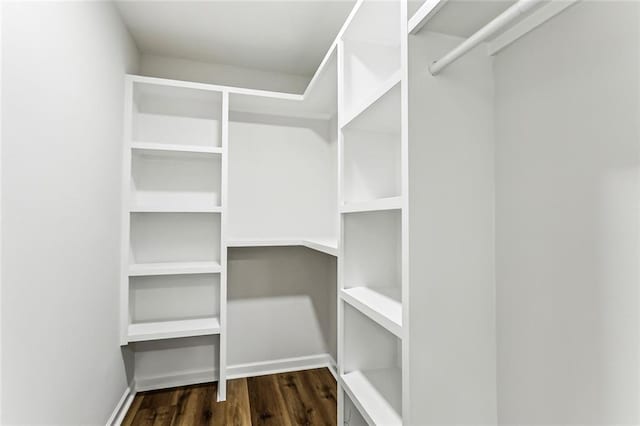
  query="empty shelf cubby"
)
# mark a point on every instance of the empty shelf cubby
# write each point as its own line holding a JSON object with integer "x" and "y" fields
{"x": 175, "y": 237}
{"x": 174, "y": 180}
{"x": 173, "y": 115}
{"x": 372, "y": 376}
{"x": 153, "y": 298}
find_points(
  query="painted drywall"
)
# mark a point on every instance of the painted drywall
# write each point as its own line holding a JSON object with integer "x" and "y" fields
{"x": 62, "y": 76}
{"x": 451, "y": 239}
{"x": 282, "y": 178}
{"x": 280, "y": 301}
{"x": 568, "y": 243}
{"x": 228, "y": 75}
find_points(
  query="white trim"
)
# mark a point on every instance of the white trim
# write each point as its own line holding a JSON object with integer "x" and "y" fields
{"x": 117, "y": 416}
{"x": 427, "y": 11}
{"x": 174, "y": 380}
{"x": 238, "y": 371}
{"x": 528, "y": 24}
{"x": 279, "y": 366}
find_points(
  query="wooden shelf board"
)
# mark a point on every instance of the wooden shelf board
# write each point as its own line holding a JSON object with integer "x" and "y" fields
{"x": 370, "y": 100}
{"x": 391, "y": 203}
{"x": 363, "y": 388}
{"x": 173, "y": 268}
{"x": 175, "y": 148}
{"x": 381, "y": 304}
{"x": 325, "y": 246}
{"x": 145, "y": 331}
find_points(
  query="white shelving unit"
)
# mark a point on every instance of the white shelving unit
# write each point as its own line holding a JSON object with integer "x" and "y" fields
{"x": 174, "y": 190}
{"x": 373, "y": 176}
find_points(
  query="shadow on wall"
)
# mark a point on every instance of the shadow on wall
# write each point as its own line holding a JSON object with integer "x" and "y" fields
{"x": 282, "y": 302}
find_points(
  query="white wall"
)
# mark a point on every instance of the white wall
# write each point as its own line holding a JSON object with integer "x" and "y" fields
{"x": 62, "y": 77}
{"x": 280, "y": 304}
{"x": 568, "y": 157}
{"x": 282, "y": 178}
{"x": 184, "y": 69}
{"x": 452, "y": 293}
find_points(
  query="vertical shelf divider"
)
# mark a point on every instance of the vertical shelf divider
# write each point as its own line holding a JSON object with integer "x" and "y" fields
{"x": 340, "y": 260}
{"x": 124, "y": 211}
{"x": 404, "y": 178}
{"x": 222, "y": 357}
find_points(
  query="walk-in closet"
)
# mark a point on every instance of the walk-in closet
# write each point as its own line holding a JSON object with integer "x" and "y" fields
{"x": 320, "y": 212}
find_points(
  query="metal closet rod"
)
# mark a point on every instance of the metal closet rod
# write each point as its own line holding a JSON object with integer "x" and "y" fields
{"x": 504, "y": 19}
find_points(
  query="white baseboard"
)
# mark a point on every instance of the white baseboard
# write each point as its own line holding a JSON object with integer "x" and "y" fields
{"x": 171, "y": 381}
{"x": 236, "y": 372}
{"x": 278, "y": 366}
{"x": 122, "y": 407}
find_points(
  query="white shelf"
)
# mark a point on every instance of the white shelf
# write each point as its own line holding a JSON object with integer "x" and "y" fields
{"x": 391, "y": 203}
{"x": 171, "y": 148}
{"x": 363, "y": 388}
{"x": 381, "y": 304}
{"x": 325, "y": 246}
{"x": 372, "y": 98}
{"x": 173, "y": 268}
{"x": 173, "y": 329}
{"x": 170, "y": 208}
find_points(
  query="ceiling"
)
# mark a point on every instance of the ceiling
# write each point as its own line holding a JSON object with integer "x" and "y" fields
{"x": 283, "y": 36}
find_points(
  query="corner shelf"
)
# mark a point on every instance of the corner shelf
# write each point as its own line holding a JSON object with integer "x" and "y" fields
{"x": 362, "y": 387}
{"x": 175, "y": 148}
{"x": 173, "y": 268}
{"x": 145, "y": 331}
{"x": 380, "y": 304}
{"x": 329, "y": 247}
{"x": 390, "y": 203}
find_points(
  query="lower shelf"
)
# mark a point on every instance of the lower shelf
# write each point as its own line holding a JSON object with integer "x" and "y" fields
{"x": 146, "y": 331}
{"x": 377, "y": 394}
{"x": 381, "y": 304}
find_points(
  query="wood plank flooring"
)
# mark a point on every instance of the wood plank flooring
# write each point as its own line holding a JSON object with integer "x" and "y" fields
{"x": 288, "y": 399}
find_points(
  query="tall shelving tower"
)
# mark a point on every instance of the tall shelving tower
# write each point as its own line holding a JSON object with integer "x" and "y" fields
{"x": 173, "y": 280}
{"x": 373, "y": 187}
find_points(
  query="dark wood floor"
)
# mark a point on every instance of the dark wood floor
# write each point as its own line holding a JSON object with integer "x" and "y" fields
{"x": 300, "y": 398}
